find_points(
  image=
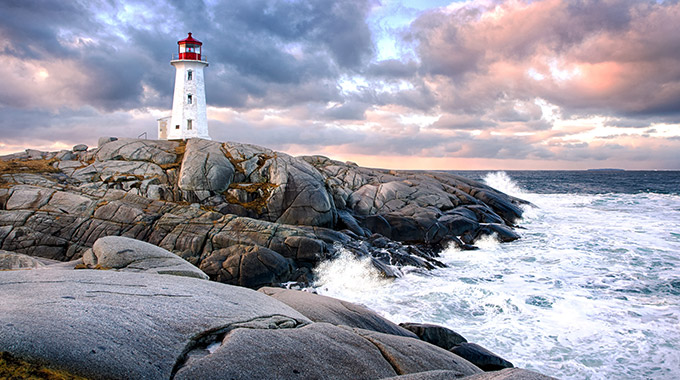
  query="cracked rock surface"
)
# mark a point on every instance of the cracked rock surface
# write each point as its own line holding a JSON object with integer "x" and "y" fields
{"x": 111, "y": 325}
{"x": 114, "y": 325}
{"x": 244, "y": 214}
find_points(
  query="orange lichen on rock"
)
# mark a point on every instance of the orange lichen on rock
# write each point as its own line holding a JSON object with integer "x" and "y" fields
{"x": 14, "y": 368}
{"x": 27, "y": 166}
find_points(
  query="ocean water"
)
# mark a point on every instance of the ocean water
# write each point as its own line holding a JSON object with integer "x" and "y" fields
{"x": 590, "y": 291}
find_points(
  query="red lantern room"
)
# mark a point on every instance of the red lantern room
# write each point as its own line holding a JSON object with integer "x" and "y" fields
{"x": 190, "y": 48}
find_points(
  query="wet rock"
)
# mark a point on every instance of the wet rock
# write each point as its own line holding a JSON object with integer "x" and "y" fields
{"x": 438, "y": 335}
{"x": 458, "y": 225}
{"x": 481, "y": 357}
{"x": 499, "y": 231}
{"x": 125, "y": 254}
{"x": 320, "y": 308}
{"x": 430, "y": 375}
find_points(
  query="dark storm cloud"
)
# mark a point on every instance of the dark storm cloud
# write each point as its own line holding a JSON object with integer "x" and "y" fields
{"x": 251, "y": 45}
{"x": 32, "y": 27}
{"x": 497, "y": 74}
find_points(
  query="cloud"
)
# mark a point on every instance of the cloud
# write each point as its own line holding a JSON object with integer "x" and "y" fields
{"x": 549, "y": 82}
{"x": 616, "y": 57}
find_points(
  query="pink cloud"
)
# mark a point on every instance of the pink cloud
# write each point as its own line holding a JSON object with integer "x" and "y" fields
{"x": 617, "y": 57}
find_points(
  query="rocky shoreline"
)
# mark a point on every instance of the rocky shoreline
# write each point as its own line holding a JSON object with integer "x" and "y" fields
{"x": 74, "y": 224}
{"x": 243, "y": 214}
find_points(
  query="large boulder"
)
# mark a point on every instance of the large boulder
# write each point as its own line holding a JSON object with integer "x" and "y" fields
{"x": 125, "y": 254}
{"x": 438, "y": 335}
{"x": 279, "y": 188}
{"x": 317, "y": 351}
{"x": 12, "y": 261}
{"x": 205, "y": 167}
{"x": 410, "y": 355}
{"x": 249, "y": 266}
{"x": 115, "y": 325}
{"x": 320, "y": 308}
{"x": 481, "y": 357}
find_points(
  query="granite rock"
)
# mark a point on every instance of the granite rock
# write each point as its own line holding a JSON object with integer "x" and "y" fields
{"x": 510, "y": 374}
{"x": 125, "y": 254}
{"x": 438, "y": 335}
{"x": 316, "y": 351}
{"x": 12, "y": 261}
{"x": 481, "y": 357}
{"x": 205, "y": 167}
{"x": 320, "y": 308}
{"x": 113, "y": 325}
{"x": 410, "y": 355}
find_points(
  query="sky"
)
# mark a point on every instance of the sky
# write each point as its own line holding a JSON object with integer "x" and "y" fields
{"x": 432, "y": 84}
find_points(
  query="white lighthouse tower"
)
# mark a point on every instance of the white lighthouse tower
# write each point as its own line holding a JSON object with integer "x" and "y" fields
{"x": 189, "y": 117}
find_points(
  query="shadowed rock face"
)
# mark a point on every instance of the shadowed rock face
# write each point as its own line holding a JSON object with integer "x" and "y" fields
{"x": 243, "y": 214}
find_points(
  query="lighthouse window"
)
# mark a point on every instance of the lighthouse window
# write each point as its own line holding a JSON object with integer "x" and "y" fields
{"x": 190, "y": 74}
{"x": 189, "y": 124}
{"x": 177, "y": 126}
{"x": 189, "y": 99}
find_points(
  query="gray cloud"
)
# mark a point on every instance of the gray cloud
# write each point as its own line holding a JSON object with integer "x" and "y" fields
{"x": 80, "y": 69}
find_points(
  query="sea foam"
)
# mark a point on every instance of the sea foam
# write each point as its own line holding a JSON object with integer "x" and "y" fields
{"x": 590, "y": 291}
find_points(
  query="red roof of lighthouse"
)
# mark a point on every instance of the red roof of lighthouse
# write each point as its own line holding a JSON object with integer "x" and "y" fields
{"x": 189, "y": 39}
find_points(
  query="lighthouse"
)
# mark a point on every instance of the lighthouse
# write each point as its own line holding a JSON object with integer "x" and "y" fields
{"x": 189, "y": 117}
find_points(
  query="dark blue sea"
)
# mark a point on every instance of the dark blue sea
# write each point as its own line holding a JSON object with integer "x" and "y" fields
{"x": 587, "y": 181}
{"x": 591, "y": 291}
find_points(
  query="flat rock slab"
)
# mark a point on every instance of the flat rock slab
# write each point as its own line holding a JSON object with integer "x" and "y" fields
{"x": 115, "y": 325}
{"x": 126, "y": 254}
{"x": 320, "y": 308}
